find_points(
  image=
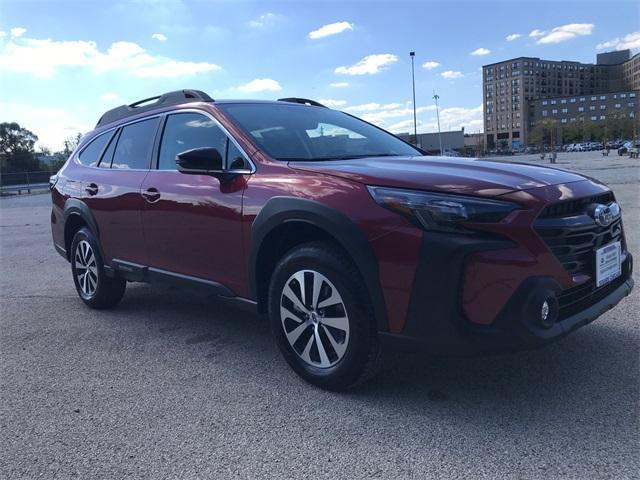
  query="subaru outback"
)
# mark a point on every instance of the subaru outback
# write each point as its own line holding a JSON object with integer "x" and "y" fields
{"x": 350, "y": 240}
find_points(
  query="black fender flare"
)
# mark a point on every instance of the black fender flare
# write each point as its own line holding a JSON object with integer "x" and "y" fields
{"x": 73, "y": 206}
{"x": 279, "y": 210}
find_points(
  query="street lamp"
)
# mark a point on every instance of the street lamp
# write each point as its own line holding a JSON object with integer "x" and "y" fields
{"x": 436, "y": 97}
{"x": 413, "y": 81}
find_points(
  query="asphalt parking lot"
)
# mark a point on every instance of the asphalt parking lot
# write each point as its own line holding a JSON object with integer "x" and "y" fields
{"x": 169, "y": 385}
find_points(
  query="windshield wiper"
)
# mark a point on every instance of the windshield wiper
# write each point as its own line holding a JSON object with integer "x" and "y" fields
{"x": 354, "y": 157}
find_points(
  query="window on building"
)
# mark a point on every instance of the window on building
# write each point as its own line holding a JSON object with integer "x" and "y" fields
{"x": 554, "y": 111}
{"x": 602, "y": 117}
{"x": 553, "y": 102}
{"x": 603, "y": 107}
{"x": 603, "y": 97}
{"x": 544, "y": 102}
{"x": 544, "y": 113}
{"x": 594, "y": 118}
{"x": 582, "y": 99}
{"x": 564, "y": 110}
{"x": 563, "y": 101}
{"x": 592, "y": 107}
{"x": 573, "y": 100}
{"x": 581, "y": 109}
{"x": 564, "y": 120}
{"x": 617, "y": 105}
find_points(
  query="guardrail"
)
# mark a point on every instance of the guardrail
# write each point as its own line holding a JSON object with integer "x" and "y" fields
{"x": 24, "y": 181}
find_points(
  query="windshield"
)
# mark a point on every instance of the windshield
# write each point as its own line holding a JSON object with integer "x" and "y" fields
{"x": 297, "y": 132}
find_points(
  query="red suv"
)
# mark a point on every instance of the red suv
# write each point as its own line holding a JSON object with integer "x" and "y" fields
{"x": 350, "y": 239}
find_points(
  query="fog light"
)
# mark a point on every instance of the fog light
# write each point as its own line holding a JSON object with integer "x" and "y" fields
{"x": 548, "y": 311}
{"x": 544, "y": 312}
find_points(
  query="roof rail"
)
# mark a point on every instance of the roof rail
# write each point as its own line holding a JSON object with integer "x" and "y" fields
{"x": 170, "y": 98}
{"x": 303, "y": 101}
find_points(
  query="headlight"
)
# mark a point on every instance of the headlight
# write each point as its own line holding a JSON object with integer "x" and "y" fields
{"x": 441, "y": 212}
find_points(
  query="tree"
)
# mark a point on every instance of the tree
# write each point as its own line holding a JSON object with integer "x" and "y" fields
{"x": 17, "y": 153}
{"x": 545, "y": 133}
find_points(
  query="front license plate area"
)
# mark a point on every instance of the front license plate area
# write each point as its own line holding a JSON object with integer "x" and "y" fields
{"x": 608, "y": 266}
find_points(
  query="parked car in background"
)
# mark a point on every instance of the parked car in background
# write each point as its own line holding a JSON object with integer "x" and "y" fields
{"x": 347, "y": 238}
{"x": 627, "y": 147}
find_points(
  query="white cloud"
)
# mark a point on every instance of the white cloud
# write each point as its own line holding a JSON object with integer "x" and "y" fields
{"x": 109, "y": 97}
{"x": 329, "y": 102}
{"x": 159, "y": 36}
{"x": 340, "y": 85}
{"x": 452, "y": 118}
{"x": 265, "y": 20}
{"x": 512, "y": 37}
{"x": 371, "y": 107}
{"x": 3, "y": 34}
{"x": 398, "y": 117}
{"x": 369, "y": 65}
{"x": 44, "y": 57}
{"x": 18, "y": 31}
{"x": 630, "y": 41}
{"x": 52, "y": 125}
{"x": 260, "y": 85}
{"x": 330, "y": 29}
{"x": 451, "y": 74}
{"x": 562, "y": 33}
{"x": 481, "y": 52}
{"x": 431, "y": 65}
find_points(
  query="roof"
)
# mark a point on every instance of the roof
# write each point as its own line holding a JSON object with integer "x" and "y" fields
{"x": 181, "y": 97}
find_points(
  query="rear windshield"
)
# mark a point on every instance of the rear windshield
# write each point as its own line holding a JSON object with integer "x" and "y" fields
{"x": 299, "y": 132}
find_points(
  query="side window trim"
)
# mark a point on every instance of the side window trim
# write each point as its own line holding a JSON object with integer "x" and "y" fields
{"x": 114, "y": 141}
{"x": 153, "y": 164}
{"x": 155, "y": 155}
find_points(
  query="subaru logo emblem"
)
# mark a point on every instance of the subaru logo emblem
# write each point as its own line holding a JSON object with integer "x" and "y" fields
{"x": 605, "y": 214}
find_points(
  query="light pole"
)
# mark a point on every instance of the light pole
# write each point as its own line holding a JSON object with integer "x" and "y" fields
{"x": 436, "y": 97}
{"x": 413, "y": 81}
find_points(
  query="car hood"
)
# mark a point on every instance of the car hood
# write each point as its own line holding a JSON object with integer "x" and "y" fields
{"x": 447, "y": 174}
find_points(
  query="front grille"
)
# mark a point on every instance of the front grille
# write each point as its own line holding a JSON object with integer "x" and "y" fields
{"x": 573, "y": 237}
{"x": 571, "y": 207}
{"x": 574, "y": 245}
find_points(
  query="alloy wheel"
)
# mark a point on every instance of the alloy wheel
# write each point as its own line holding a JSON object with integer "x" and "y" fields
{"x": 314, "y": 318}
{"x": 86, "y": 268}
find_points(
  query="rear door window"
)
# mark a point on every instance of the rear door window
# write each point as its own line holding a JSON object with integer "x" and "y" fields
{"x": 133, "y": 150}
{"x": 91, "y": 154}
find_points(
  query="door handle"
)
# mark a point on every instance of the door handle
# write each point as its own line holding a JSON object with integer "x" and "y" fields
{"x": 91, "y": 189}
{"x": 151, "y": 195}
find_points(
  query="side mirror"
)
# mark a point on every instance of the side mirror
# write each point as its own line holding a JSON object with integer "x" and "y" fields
{"x": 200, "y": 161}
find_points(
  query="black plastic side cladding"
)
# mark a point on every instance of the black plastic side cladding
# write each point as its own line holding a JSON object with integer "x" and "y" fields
{"x": 280, "y": 210}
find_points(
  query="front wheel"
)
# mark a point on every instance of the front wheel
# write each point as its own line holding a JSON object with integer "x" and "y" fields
{"x": 92, "y": 284}
{"x": 321, "y": 317}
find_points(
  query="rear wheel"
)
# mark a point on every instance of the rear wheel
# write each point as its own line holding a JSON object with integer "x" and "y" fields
{"x": 321, "y": 317}
{"x": 93, "y": 286}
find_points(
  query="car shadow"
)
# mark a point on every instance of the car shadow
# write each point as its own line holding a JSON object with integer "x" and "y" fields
{"x": 556, "y": 390}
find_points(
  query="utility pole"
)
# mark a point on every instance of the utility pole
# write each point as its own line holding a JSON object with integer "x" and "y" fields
{"x": 413, "y": 82}
{"x": 436, "y": 97}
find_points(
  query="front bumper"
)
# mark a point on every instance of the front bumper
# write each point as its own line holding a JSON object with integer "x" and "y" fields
{"x": 436, "y": 320}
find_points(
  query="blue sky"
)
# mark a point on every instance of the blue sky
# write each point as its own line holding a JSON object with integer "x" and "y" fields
{"x": 62, "y": 64}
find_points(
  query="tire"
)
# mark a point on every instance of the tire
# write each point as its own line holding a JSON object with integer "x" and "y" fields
{"x": 330, "y": 339}
{"x": 87, "y": 267}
